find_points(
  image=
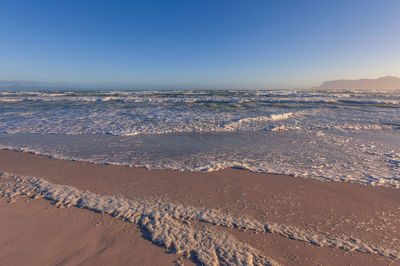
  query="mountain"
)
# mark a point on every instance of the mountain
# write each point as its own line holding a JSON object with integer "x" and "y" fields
{"x": 388, "y": 82}
{"x": 30, "y": 85}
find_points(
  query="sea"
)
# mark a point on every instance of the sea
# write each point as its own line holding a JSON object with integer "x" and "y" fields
{"x": 348, "y": 136}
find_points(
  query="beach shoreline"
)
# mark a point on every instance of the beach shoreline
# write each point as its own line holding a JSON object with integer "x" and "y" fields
{"x": 369, "y": 214}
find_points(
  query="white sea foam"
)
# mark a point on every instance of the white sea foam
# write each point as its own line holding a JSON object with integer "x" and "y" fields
{"x": 358, "y": 126}
{"x": 249, "y": 123}
{"x": 344, "y": 156}
{"x": 165, "y": 223}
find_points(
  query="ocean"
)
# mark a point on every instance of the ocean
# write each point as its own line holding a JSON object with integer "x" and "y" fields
{"x": 351, "y": 136}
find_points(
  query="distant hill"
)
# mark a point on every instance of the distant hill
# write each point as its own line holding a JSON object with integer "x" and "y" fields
{"x": 388, "y": 82}
{"x": 17, "y": 85}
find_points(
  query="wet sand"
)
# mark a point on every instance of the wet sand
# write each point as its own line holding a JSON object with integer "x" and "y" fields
{"x": 36, "y": 232}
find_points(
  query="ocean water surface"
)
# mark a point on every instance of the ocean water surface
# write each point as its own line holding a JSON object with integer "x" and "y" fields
{"x": 349, "y": 136}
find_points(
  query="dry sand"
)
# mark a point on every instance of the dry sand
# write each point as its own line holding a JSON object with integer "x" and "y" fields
{"x": 35, "y": 232}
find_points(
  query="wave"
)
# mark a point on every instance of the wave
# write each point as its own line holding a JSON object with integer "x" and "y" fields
{"x": 250, "y": 123}
{"x": 197, "y": 100}
{"x": 204, "y": 97}
{"x": 120, "y": 124}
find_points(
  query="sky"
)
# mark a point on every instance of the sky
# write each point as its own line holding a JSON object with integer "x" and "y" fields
{"x": 198, "y": 44}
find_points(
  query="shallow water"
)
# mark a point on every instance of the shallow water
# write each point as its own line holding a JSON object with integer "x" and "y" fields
{"x": 350, "y": 136}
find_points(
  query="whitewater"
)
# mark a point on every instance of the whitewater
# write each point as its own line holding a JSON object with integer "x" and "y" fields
{"x": 351, "y": 136}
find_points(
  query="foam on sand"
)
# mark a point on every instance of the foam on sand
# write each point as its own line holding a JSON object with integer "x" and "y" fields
{"x": 168, "y": 224}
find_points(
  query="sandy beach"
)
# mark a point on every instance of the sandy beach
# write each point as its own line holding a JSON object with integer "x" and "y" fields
{"x": 43, "y": 232}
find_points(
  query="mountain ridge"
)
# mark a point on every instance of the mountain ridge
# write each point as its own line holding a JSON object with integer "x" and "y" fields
{"x": 387, "y": 82}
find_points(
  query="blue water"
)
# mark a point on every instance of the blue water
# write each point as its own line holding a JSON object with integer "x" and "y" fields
{"x": 350, "y": 136}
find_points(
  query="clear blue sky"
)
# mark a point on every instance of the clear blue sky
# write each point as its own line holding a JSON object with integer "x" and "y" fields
{"x": 198, "y": 44}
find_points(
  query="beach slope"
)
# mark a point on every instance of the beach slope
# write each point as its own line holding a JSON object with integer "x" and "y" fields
{"x": 133, "y": 216}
